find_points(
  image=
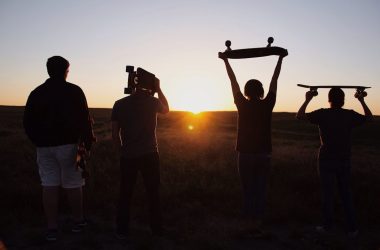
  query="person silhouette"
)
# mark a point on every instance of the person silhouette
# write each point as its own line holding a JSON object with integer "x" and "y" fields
{"x": 134, "y": 120}
{"x": 254, "y": 143}
{"x": 57, "y": 121}
{"x": 335, "y": 125}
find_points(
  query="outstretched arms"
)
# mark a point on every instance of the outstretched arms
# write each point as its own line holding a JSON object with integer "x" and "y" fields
{"x": 234, "y": 84}
{"x": 367, "y": 111}
{"x": 301, "y": 114}
{"x": 276, "y": 74}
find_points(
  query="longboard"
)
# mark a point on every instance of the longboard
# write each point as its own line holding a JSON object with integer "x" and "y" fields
{"x": 359, "y": 89}
{"x": 254, "y": 52}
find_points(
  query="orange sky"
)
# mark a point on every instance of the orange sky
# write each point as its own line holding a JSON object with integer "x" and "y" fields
{"x": 328, "y": 43}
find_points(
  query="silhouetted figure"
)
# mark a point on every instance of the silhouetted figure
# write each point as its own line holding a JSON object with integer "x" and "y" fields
{"x": 134, "y": 120}
{"x": 254, "y": 142}
{"x": 56, "y": 120}
{"x": 335, "y": 125}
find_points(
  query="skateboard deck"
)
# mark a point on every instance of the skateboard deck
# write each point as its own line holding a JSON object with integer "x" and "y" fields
{"x": 359, "y": 89}
{"x": 254, "y": 52}
{"x": 331, "y": 86}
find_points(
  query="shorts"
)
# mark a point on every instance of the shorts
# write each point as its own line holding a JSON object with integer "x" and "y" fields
{"x": 57, "y": 166}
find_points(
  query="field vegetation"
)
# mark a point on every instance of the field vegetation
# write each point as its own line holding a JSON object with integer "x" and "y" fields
{"x": 201, "y": 193}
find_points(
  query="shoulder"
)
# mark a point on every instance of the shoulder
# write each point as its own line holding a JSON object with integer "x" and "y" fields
{"x": 73, "y": 87}
{"x": 122, "y": 100}
{"x": 39, "y": 88}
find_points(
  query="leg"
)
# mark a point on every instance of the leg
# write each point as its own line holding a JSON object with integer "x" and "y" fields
{"x": 128, "y": 176}
{"x": 262, "y": 168}
{"x": 50, "y": 201}
{"x": 71, "y": 179}
{"x": 151, "y": 175}
{"x": 327, "y": 177}
{"x": 75, "y": 198}
{"x": 247, "y": 180}
{"x": 49, "y": 171}
{"x": 346, "y": 195}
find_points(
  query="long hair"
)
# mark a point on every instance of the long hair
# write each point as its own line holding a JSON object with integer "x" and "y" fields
{"x": 254, "y": 89}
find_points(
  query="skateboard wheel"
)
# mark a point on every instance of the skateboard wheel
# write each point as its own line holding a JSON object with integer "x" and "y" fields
{"x": 228, "y": 43}
{"x": 364, "y": 94}
{"x": 270, "y": 40}
{"x": 315, "y": 93}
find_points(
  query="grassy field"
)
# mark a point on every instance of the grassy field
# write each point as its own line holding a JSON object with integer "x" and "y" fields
{"x": 201, "y": 195}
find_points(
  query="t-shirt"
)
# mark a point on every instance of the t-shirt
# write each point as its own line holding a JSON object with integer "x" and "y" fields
{"x": 335, "y": 127}
{"x": 254, "y": 124}
{"x": 137, "y": 118}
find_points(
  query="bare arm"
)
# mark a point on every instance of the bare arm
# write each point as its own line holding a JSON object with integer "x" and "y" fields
{"x": 161, "y": 97}
{"x": 234, "y": 84}
{"x": 276, "y": 74}
{"x": 367, "y": 111}
{"x": 301, "y": 114}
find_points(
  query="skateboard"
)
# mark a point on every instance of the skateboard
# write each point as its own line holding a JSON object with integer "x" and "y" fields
{"x": 254, "y": 52}
{"x": 359, "y": 89}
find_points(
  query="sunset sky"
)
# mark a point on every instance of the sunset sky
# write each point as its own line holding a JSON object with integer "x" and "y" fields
{"x": 329, "y": 42}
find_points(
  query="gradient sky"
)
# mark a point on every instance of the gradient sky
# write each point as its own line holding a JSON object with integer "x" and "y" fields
{"x": 329, "y": 42}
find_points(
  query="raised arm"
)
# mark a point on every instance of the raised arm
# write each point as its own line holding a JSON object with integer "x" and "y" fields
{"x": 234, "y": 84}
{"x": 276, "y": 74}
{"x": 367, "y": 111}
{"x": 301, "y": 114}
{"x": 161, "y": 97}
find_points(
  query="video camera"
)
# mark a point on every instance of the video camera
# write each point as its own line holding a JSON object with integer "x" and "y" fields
{"x": 140, "y": 79}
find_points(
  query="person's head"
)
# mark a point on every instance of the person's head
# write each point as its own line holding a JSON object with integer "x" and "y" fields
{"x": 336, "y": 97}
{"x": 57, "y": 67}
{"x": 254, "y": 89}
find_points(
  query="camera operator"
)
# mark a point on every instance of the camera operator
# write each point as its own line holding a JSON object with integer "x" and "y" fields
{"x": 134, "y": 120}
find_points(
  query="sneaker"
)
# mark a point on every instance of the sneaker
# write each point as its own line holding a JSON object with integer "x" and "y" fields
{"x": 121, "y": 235}
{"x": 51, "y": 235}
{"x": 322, "y": 229}
{"x": 79, "y": 226}
{"x": 353, "y": 234}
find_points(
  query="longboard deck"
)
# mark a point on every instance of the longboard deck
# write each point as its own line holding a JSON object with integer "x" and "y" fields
{"x": 331, "y": 86}
{"x": 254, "y": 52}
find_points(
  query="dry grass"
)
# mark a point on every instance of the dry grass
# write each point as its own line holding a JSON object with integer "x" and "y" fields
{"x": 200, "y": 184}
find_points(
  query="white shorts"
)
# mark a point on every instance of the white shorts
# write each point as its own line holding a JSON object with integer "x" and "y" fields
{"x": 57, "y": 166}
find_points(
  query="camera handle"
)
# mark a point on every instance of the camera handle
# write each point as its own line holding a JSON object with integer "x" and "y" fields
{"x": 131, "y": 81}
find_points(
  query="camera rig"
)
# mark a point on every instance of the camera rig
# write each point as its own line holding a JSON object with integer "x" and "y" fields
{"x": 140, "y": 79}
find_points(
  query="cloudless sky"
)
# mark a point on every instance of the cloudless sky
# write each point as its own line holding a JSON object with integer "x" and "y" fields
{"x": 329, "y": 42}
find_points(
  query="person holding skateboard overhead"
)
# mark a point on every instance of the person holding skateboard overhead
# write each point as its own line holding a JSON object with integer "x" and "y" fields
{"x": 335, "y": 125}
{"x": 254, "y": 144}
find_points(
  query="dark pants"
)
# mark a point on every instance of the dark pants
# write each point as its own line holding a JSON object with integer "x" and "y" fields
{"x": 149, "y": 167}
{"x": 339, "y": 170}
{"x": 254, "y": 170}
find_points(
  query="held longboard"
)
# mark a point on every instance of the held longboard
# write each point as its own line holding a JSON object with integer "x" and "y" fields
{"x": 254, "y": 52}
{"x": 359, "y": 89}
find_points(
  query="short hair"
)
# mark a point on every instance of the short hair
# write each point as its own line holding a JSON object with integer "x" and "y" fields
{"x": 253, "y": 89}
{"x": 336, "y": 97}
{"x": 57, "y": 66}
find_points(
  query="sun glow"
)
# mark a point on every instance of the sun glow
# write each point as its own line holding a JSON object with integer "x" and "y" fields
{"x": 196, "y": 95}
